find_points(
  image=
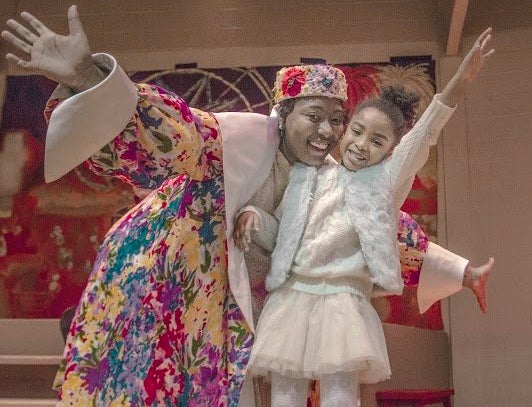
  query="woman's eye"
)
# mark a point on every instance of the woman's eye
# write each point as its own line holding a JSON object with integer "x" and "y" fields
{"x": 314, "y": 118}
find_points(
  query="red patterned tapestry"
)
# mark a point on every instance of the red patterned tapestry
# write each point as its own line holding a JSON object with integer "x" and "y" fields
{"x": 49, "y": 233}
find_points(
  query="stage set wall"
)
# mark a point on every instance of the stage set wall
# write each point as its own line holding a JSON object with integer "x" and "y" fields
{"x": 485, "y": 209}
{"x": 485, "y": 192}
{"x": 485, "y": 195}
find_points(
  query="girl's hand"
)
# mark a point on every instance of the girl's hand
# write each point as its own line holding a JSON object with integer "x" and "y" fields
{"x": 246, "y": 222}
{"x": 64, "y": 59}
{"x": 475, "y": 58}
{"x": 468, "y": 70}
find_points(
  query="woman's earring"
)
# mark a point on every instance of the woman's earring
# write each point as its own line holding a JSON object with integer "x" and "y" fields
{"x": 281, "y": 128}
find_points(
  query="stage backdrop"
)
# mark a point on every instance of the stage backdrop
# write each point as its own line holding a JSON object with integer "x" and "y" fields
{"x": 49, "y": 233}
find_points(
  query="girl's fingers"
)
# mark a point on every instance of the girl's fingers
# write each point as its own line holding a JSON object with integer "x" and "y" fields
{"x": 489, "y": 53}
{"x": 256, "y": 223}
{"x": 486, "y": 32}
{"x": 236, "y": 237}
{"x": 241, "y": 244}
{"x": 247, "y": 236}
{"x": 485, "y": 41}
{"x": 237, "y": 241}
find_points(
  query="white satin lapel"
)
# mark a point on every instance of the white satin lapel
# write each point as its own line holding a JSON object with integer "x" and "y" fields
{"x": 250, "y": 143}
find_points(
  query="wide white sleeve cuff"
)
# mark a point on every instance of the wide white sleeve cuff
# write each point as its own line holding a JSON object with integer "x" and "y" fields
{"x": 87, "y": 121}
{"x": 441, "y": 275}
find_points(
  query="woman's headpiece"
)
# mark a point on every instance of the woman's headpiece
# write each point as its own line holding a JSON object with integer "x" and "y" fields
{"x": 309, "y": 80}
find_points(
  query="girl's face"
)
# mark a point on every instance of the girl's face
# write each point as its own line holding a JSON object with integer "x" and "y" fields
{"x": 368, "y": 139}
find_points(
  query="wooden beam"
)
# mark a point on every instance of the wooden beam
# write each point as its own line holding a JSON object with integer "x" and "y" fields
{"x": 456, "y": 26}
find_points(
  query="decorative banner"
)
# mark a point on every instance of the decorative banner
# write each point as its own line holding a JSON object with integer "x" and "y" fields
{"x": 49, "y": 235}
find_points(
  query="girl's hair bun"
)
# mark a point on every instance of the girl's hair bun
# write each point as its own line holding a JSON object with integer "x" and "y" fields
{"x": 407, "y": 102}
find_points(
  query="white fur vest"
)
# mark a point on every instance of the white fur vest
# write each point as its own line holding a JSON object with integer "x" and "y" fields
{"x": 371, "y": 209}
{"x": 369, "y": 199}
{"x": 296, "y": 201}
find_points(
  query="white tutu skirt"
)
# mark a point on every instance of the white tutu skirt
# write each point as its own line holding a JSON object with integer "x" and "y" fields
{"x": 305, "y": 335}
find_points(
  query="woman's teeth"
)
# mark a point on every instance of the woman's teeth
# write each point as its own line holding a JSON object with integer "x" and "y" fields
{"x": 319, "y": 146}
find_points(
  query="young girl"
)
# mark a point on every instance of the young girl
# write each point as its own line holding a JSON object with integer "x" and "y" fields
{"x": 336, "y": 247}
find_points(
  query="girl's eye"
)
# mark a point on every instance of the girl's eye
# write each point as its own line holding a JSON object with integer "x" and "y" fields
{"x": 378, "y": 143}
{"x": 356, "y": 132}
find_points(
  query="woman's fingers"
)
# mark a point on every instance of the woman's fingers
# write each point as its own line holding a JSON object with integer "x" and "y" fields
{"x": 34, "y": 22}
{"x": 18, "y": 61}
{"x": 16, "y": 42}
{"x": 74, "y": 23}
{"x": 21, "y": 31}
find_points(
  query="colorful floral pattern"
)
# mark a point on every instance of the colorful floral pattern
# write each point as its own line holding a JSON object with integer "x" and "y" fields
{"x": 157, "y": 324}
{"x": 309, "y": 80}
{"x": 293, "y": 81}
{"x": 413, "y": 244}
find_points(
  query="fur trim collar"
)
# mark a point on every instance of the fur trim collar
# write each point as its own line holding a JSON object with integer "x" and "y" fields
{"x": 296, "y": 201}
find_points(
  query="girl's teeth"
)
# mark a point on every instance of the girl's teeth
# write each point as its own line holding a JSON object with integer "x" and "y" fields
{"x": 357, "y": 156}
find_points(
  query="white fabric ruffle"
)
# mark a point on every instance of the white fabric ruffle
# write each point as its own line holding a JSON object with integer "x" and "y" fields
{"x": 306, "y": 335}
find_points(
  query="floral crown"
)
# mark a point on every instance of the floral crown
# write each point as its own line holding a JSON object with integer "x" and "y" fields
{"x": 309, "y": 80}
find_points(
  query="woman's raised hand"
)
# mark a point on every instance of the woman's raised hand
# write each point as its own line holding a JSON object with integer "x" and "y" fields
{"x": 65, "y": 59}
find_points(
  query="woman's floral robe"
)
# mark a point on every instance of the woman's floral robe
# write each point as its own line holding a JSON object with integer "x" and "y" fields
{"x": 157, "y": 324}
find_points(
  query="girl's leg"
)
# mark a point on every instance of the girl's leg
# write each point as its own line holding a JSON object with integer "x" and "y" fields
{"x": 289, "y": 392}
{"x": 339, "y": 390}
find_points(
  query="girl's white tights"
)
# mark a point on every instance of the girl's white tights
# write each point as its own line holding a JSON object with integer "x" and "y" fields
{"x": 337, "y": 390}
{"x": 289, "y": 392}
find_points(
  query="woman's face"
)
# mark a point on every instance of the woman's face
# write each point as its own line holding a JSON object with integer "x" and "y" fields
{"x": 369, "y": 138}
{"x": 312, "y": 130}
